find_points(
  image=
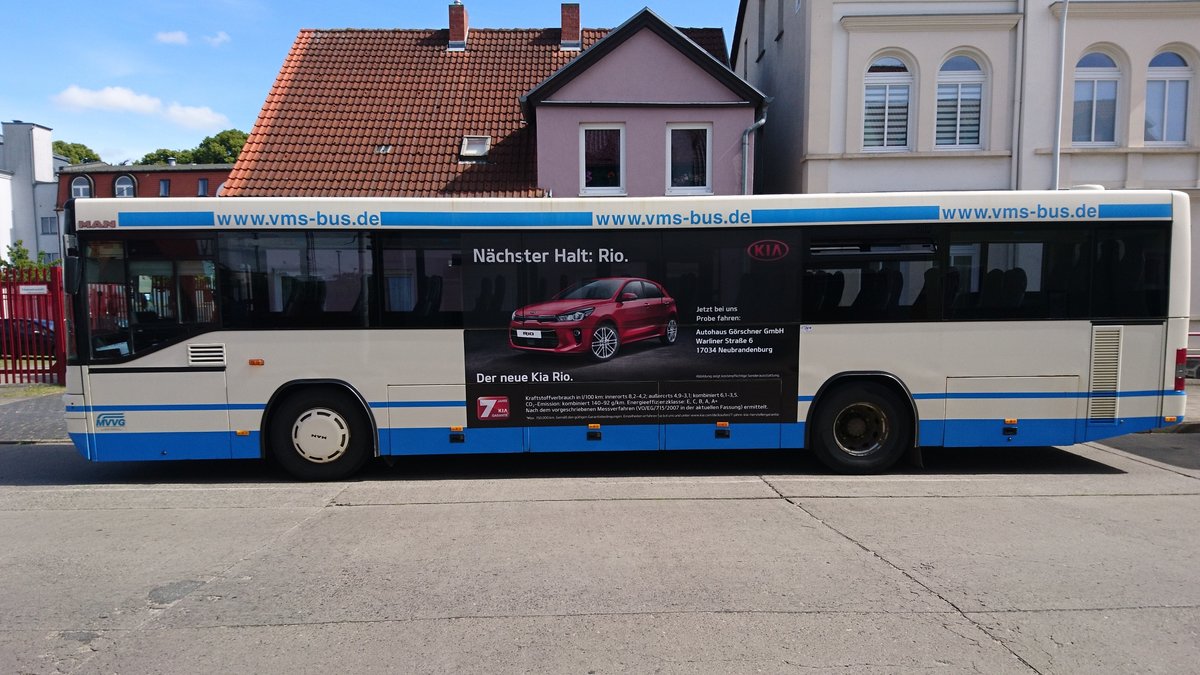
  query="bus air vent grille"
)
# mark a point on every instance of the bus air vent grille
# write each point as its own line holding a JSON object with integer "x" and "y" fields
{"x": 206, "y": 355}
{"x": 1106, "y": 373}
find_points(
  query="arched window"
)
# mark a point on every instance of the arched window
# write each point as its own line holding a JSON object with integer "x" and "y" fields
{"x": 123, "y": 187}
{"x": 885, "y": 116}
{"x": 81, "y": 187}
{"x": 1167, "y": 99}
{"x": 1095, "y": 119}
{"x": 959, "y": 103}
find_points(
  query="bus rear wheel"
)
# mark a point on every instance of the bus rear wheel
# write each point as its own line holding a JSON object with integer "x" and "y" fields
{"x": 320, "y": 434}
{"x": 861, "y": 428}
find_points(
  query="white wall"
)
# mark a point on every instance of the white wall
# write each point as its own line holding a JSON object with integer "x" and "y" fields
{"x": 28, "y": 155}
{"x": 6, "y": 212}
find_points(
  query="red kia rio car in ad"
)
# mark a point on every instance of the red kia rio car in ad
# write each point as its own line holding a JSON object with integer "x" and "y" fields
{"x": 596, "y": 317}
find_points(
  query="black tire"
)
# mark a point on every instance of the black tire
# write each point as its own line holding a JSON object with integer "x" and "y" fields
{"x": 670, "y": 332}
{"x": 320, "y": 434}
{"x": 861, "y": 428}
{"x": 606, "y": 342}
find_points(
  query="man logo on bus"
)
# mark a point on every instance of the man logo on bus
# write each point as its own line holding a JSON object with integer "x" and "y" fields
{"x": 491, "y": 407}
{"x": 767, "y": 250}
{"x": 110, "y": 420}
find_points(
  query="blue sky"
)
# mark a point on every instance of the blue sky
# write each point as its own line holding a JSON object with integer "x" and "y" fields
{"x": 127, "y": 79}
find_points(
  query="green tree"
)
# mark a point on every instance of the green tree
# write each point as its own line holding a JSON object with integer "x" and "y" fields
{"x": 161, "y": 155}
{"x": 77, "y": 153}
{"x": 222, "y": 148}
{"x": 17, "y": 258}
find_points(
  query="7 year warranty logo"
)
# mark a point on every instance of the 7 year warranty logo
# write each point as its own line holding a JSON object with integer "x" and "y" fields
{"x": 491, "y": 407}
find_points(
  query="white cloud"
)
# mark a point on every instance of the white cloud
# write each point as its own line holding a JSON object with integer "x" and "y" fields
{"x": 199, "y": 118}
{"x": 108, "y": 98}
{"x": 120, "y": 99}
{"x": 217, "y": 40}
{"x": 174, "y": 37}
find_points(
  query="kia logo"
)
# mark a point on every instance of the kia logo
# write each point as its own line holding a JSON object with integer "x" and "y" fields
{"x": 767, "y": 250}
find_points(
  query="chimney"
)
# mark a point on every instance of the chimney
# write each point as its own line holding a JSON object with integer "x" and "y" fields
{"x": 572, "y": 38}
{"x": 458, "y": 27}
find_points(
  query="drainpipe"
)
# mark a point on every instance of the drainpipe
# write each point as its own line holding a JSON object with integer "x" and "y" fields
{"x": 746, "y": 149}
{"x": 1062, "y": 76}
{"x": 1018, "y": 109}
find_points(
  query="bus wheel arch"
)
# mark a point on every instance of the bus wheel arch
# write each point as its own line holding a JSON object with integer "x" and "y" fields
{"x": 862, "y": 422}
{"x": 319, "y": 429}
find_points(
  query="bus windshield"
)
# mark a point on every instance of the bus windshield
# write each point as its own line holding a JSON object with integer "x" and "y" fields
{"x": 142, "y": 294}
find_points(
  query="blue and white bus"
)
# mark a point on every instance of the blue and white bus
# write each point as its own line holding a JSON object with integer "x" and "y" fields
{"x": 324, "y": 332}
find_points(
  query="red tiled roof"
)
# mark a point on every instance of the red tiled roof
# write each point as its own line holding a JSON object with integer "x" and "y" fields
{"x": 342, "y": 94}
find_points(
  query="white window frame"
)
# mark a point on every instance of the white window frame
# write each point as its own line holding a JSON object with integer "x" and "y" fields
{"x": 1167, "y": 75}
{"x": 958, "y": 79}
{"x": 81, "y": 187}
{"x": 1096, "y": 76}
{"x": 889, "y": 82}
{"x": 474, "y": 149}
{"x": 617, "y": 191}
{"x": 117, "y": 187}
{"x": 707, "y": 188}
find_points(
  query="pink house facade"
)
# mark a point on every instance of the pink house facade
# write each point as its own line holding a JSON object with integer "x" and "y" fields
{"x": 644, "y": 112}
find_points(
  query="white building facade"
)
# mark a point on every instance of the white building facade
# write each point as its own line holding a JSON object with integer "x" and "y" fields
{"x": 889, "y": 95}
{"x": 28, "y": 189}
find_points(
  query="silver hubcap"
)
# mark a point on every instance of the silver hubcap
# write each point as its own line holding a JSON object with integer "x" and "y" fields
{"x": 320, "y": 435}
{"x": 860, "y": 429}
{"x": 604, "y": 342}
{"x": 672, "y": 330}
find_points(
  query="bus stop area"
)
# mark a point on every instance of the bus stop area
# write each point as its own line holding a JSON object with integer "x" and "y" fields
{"x": 1039, "y": 560}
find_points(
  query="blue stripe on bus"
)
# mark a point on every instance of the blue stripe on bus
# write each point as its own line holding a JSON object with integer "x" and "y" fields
{"x": 166, "y": 407}
{"x": 937, "y": 396}
{"x": 166, "y": 219}
{"x": 418, "y": 404}
{"x": 201, "y": 407}
{"x": 133, "y": 446}
{"x": 845, "y": 215}
{"x": 481, "y": 219}
{"x": 1135, "y": 211}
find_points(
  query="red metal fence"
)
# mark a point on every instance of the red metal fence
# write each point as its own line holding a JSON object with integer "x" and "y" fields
{"x": 33, "y": 336}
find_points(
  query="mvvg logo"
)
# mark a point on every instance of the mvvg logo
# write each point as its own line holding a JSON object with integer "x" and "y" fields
{"x": 110, "y": 421}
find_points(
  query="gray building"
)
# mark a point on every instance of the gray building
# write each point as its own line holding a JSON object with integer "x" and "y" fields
{"x": 28, "y": 189}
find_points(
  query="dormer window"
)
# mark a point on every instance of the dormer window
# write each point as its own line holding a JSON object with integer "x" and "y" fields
{"x": 474, "y": 148}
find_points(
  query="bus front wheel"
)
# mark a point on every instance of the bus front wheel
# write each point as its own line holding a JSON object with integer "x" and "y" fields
{"x": 320, "y": 434}
{"x": 861, "y": 428}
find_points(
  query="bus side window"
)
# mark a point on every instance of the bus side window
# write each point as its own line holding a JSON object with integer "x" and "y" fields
{"x": 1034, "y": 274}
{"x": 850, "y": 277}
{"x": 423, "y": 283}
{"x": 1129, "y": 278}
{"x": 295, "y": 279}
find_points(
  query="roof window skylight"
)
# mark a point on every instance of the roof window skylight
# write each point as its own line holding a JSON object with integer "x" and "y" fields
{"x": 474, "y": 148}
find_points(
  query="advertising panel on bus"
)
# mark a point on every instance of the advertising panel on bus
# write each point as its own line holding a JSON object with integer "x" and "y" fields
{"x": 630, "y": 327}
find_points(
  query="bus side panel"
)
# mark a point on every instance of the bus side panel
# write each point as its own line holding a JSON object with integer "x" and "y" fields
{"x": 1141, "y": 386}
{"x": 1027, "y": 411}
{"x": 431, "y": 420}
{"x": 732, "y": 437}
{"x": 443, "y": 441}
{"x": 167, "y": 414}
{"x": 584, "y": 439}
